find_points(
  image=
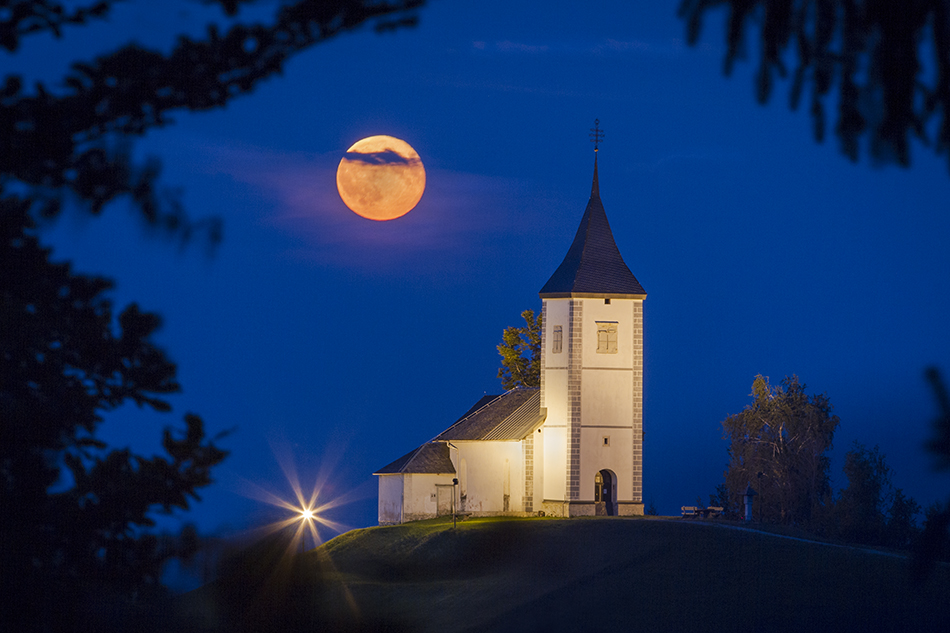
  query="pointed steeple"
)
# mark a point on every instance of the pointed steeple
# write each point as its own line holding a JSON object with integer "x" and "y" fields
{"x": 593, "y": 264}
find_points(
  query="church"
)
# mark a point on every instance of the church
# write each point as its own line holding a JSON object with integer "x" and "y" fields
{"x": 574, "y": 446}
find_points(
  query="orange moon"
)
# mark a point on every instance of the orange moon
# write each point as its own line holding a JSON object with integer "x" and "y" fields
{"x": 381, "y": 178}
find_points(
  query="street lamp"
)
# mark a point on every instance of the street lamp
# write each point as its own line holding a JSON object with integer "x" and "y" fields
{"x": 455, "y": 483}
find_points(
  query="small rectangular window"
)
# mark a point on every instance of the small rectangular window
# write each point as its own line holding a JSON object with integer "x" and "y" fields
{"x": 606, "y": 440}
{"x": 558, "y": 340}
{"x": 606, "y": 337}
{"x": 606, "y": 302}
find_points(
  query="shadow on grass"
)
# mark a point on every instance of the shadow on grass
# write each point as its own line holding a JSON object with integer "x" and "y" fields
{"x": 577, "y": 574}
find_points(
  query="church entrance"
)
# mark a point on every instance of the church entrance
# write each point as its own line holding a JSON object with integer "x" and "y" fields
{"x": 604, "y": 494}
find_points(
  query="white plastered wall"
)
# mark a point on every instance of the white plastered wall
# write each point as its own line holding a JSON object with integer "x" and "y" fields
{"x": 555, "y": 462}
{"x": 619, "y": 311}
{"x": 552, "y": 453}
{"x": 611, "y": 396}
{"x": 420, "y": 498}
{"x": 390, "y": 499}
{"x": 493, "y": 470}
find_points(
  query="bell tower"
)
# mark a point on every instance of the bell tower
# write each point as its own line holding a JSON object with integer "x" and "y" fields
{"x": 590, "y": 447}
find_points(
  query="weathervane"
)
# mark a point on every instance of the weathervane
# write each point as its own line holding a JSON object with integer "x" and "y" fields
{"x": 596, "y": 134}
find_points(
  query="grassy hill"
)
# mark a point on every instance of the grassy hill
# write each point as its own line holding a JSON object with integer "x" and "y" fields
{"x": 604, "y": 574}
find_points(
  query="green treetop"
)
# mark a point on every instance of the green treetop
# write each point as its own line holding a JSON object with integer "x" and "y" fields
{"x": 520, "y": 351}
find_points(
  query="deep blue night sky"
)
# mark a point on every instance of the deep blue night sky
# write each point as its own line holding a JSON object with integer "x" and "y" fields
{"x": 347, "y": 343}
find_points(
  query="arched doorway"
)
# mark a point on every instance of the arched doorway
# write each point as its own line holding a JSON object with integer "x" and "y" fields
{"x": 604, "y": 494}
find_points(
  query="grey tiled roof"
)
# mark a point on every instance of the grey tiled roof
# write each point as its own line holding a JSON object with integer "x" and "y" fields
{"x": 430, "y": 458}
{"x": 509, "y": 416}
{"x": 478, "y": 405}
{"x": 593, "y": 264}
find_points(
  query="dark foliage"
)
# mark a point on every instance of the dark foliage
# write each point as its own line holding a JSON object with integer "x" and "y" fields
{"x": 890, "y": 62}
{"x": 74, "y": 145}
{"x": 75, "y": 548}
{"x": 934, "y": 544}
{"x": 860, "y": 507}
{"x": 870, "y": 510}
{"x": 939, "y": 445}
{"x": 23, "y": 17}
{"x": 72, "y": 544}
{"x": 901, "y": 530}
{"x": 721, "y": 499}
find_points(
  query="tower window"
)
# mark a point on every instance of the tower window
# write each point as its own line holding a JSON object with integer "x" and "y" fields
{"x": 606, "y": 440}
{"x": 606, "y": 302}
{"x": 558, "y": 342}
{"x": 606, "y": 337}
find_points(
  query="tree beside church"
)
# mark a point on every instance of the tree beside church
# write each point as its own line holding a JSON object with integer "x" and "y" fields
{"x": 520, "y": 351}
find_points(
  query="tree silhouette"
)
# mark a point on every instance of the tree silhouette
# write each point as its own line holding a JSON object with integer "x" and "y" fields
{"x": 935, "y": 540}
{"x": 870, "y": 510}
{"x": 889, "y": 60}
{"x": 860, "y": 506}
{"x": 72, "y": 545}
{"x": 75, "y": 551}
{"x": 75, "y": 145}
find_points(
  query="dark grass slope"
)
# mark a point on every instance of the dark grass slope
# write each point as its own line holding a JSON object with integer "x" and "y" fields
{"x": 592, "y": 575}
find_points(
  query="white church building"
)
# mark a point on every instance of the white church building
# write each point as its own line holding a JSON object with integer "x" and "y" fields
{"x": 574, "y": 447}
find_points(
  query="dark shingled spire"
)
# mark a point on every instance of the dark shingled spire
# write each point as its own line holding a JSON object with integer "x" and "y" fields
{"x": 593, "y": 265}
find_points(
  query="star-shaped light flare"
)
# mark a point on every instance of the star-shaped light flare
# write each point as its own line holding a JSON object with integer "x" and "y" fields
{"x": 305, "y": 512}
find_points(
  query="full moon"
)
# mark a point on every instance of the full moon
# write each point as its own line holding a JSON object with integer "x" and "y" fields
{"x": 381, "y": 178}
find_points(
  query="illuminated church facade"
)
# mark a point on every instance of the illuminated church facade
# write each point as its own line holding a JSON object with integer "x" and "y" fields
{"x": 573, "y": 447}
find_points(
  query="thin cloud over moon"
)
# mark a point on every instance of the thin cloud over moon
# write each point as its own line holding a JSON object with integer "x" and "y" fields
{"x": 462, "y": 218}
{"x": 386, "y": 157}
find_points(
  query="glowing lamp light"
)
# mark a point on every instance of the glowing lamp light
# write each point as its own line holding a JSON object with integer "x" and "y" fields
{"x": 305, "y": 514}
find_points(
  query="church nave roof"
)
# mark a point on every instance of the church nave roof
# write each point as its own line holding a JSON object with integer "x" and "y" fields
{"x": 510, "y": 416}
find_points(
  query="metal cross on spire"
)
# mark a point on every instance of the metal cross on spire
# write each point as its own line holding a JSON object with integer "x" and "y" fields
{"x": 596, "y": 134}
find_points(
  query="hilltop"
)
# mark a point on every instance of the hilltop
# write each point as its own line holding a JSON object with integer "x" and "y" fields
{"x": 604, "y": 574}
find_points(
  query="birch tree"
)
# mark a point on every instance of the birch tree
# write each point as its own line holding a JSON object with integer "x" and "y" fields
{"x": 778, "y": 444}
